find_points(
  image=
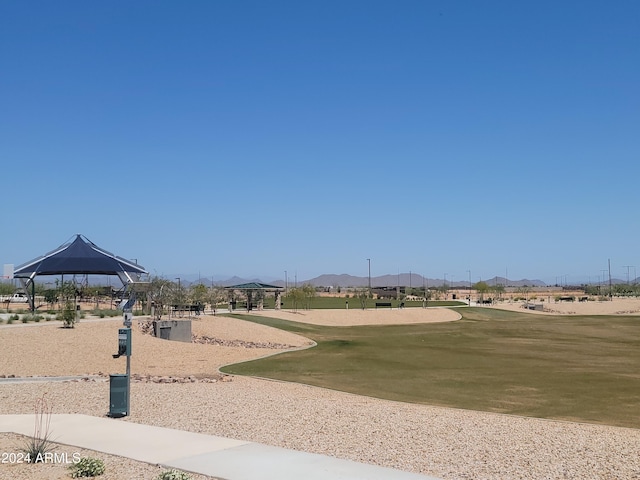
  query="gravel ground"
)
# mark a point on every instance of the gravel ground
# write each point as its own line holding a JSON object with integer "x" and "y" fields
{"x": 443, "y": 442}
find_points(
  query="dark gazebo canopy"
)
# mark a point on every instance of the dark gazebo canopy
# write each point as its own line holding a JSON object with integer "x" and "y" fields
{"x": 78, "y": 256}
{"x": 249, "y": 288}
{"x": 255, "y": 286}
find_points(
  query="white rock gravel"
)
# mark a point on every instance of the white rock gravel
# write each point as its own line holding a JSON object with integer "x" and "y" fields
{"x": 443, "y": 442}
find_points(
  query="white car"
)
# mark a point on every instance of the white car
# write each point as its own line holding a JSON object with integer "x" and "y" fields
{"x": 17, "y": 298}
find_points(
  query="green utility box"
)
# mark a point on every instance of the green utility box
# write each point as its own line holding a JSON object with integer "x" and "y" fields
{"x": 124, "y": 341}
{"x": 118, "y": 395}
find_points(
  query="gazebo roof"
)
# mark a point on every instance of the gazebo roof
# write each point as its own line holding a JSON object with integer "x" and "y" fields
{"x": 254, "y": 286}
{"x": 80, "y": 256}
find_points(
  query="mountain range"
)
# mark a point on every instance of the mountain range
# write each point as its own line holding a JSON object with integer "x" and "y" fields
{"x": 345, "y": 280}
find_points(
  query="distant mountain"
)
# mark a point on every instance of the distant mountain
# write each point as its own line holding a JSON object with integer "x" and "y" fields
{"x": 515, "y": 283}
{"x": 409, "y": 280}
{"x": 345, "y": 280}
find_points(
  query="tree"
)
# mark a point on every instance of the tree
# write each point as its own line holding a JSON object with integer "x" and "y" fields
{"x": 93, "y": 292}
{"x": 309, "y": 293}
{"x": 7, "y": 288}
{"x": 498, "y": 290}
{"x": 159, "y": 294}
{"x": 50, "y": 296}
{"x": 177, "y": 294}
{"x": 443, "y": 290}
{"x": 524, "y": 291}
{"x": 362, "y": 294}
{"x": 296, "y": 295}
{"x": 68, "y": 295}
{"x": 198, "y": 294}
{"x": 216, "y": 295}
{"x": 482, "y": 288}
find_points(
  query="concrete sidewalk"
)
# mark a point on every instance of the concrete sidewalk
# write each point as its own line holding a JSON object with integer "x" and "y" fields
{"x": 198, "y": 453}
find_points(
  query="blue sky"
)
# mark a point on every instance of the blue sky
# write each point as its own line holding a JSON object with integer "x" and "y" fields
{"x": 249, "y": 137}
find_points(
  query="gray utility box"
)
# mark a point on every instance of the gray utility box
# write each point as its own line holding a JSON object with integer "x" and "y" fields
{"x": 118, "y": 395}
{"x": 179, "y": 330}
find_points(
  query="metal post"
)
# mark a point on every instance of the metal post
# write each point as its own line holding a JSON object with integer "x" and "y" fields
{"x": 129, "y": 381}
{"x": 127, "y": 324}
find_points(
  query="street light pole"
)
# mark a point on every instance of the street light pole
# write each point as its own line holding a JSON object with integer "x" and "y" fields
{"x": 369, "y": 261}
{"x": 469, "y": 272}
{"x": 179, "y": 293}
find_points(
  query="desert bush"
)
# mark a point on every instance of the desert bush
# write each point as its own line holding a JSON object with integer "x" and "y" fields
{"x": 68, "y": 314}
{"x": 100, "y": 312}
{"x": 31, "y": 317}
{"x": 173, "y": 475}
{"x": 87, "y": 467}
{"x": 39, "y": 445}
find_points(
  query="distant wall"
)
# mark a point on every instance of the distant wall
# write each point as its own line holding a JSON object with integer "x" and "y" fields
{"x": 177, "y": 330}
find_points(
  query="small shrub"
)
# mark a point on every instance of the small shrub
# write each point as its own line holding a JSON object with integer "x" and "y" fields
{"x": 173, "y": 475}
{"x": 9, "y": 320}
{"x": 14, "y": 317}
{"x": 87, "y": 467}
{"x": 39, "y": 445}
{"x": 101, "y": 312}
{"x": 68, "y": 315}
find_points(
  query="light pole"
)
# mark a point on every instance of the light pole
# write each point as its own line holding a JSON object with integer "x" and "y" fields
{"x": 444, "y": 287}
{"x": 369, "y": 261}
{"x": 469, "y": 272}
{"x": 179, "y": 293}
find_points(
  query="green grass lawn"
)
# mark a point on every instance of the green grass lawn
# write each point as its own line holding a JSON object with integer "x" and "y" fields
{"x": 579, "y": 368}
{"x": 339, "y": 302}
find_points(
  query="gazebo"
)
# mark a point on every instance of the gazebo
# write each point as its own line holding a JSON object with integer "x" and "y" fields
{"x": 79, "y": 256}
{"x": 250, "y": 288}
